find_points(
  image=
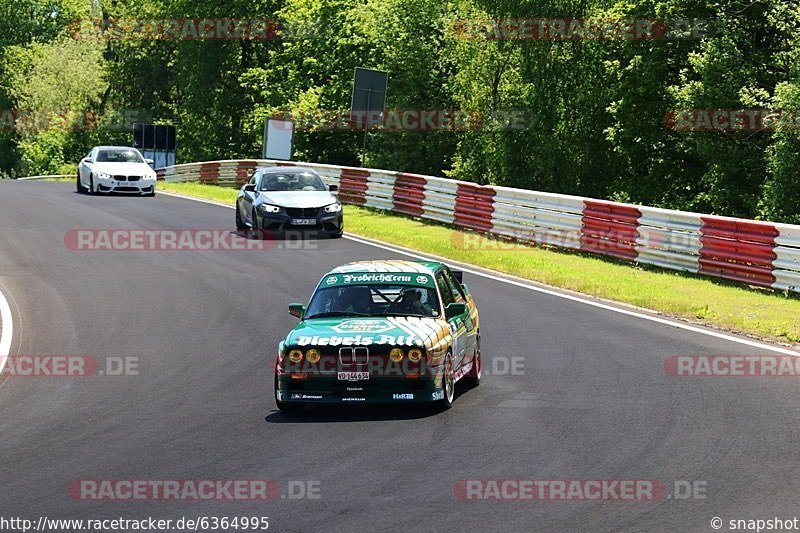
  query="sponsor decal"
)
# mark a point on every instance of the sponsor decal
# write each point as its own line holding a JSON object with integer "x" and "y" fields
{"x": 358, "y": 340}
{"x": 379, "y": 277}
{"x": 406, "y": 396}
{"x": 298, "y": 396}
{"x": 355, "y": 389}
{"x": 362, "y": 326}
{"x": 348, "y": 399}
{"x": 438, "y": 395}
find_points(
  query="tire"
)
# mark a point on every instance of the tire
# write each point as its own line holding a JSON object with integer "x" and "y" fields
{"x": 290, "y": 408}
{"x": 448, "y": 384}
{"x": 336, "y": 235}
{"x": 255, "y": 220}
{"x": 79, "y": 188}
{"x": 91, "y": 185}
{"x": 240, "y": 226}
{"x": 473, "y": 379}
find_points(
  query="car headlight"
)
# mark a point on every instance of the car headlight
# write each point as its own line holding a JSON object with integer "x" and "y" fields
{"x": 415, "y": 355}
{"x": 103, "y": 176}
{"x": 295, "y": 356}
{"x": 270, "y": 208}
{"x": 313, "y": 356}
{"x": 396, "y": 355}
{"x": 333, "y": 208}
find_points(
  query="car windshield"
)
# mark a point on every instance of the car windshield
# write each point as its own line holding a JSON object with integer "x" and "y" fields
{"x": 292, "y": 181}
{"x": 374, "y": 300}
{"x": 119, "y": 156}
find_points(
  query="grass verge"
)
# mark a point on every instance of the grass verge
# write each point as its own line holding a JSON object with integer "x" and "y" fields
{"x": 714, "y": 302}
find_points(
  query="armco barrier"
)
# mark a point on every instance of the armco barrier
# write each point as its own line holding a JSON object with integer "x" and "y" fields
{"x": 747, "y": 251}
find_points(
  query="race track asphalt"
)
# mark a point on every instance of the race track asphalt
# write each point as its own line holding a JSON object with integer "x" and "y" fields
{"x": 591, "y": 401}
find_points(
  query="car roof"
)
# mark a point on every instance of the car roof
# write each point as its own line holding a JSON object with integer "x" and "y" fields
{"x": 389, "y": 265}
{"x": 292, "y": 169}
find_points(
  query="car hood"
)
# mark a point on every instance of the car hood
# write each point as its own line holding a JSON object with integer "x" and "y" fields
{"x": 127, "y": 169}
{"x": 432, "y": 333}
{"x": 298, "y": 198}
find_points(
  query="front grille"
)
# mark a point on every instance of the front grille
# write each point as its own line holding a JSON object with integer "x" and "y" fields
{"x": 358, "y": 355}
{"x": 302, "y": 212}
{"x": 121, "y": 178}
{"x": 127, "y": 189}
{"x": 134, "y": 178}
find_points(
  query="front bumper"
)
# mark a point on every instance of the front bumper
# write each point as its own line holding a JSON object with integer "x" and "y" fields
{"x": 129, "y": 185}
{"x": 283, "y": 221}
{"x": 330, "y": 390}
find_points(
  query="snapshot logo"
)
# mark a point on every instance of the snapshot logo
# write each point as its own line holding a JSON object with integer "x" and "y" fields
{"x": 68, "y": 366}
{"x": 181, "y": 240}
{"x": 399, "y": 120}
{"x": 38, "y": 120}
{"x": 579, "y": 29}
{"x": 192, "y": 489}
{"x": 732, "y": 366}
{"x": 626, "y": 490}
{"x": 731, "y": 120}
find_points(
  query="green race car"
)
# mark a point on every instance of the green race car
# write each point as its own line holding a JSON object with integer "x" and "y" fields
{"x": 381, "y": 332}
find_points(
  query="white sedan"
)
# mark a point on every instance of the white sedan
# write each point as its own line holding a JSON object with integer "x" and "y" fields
{"x": 117, "y": 169}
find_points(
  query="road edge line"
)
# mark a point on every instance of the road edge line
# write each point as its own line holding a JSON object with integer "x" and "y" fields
{"x": 6, "y": 330}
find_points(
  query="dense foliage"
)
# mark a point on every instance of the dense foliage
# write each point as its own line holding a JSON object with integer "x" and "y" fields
{"x": 580, "y": 116}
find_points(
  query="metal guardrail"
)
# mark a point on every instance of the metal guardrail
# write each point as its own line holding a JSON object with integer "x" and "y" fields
{"x": 747, "y": 251}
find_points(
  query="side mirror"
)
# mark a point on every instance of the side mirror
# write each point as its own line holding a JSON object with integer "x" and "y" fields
{"x": 88, "y": 160}
{"x": 466, "y": 289}
{"x": 250, "y": 187}
{"x": 298, "y": 310}
{"x": 333, "y": 188}
{"x": 150, "y": 162}
{"x": 455, "y": 309}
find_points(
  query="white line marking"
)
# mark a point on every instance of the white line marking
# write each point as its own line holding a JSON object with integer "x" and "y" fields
{"x": 7, "y": 332}
{"x": 600, "y": 305}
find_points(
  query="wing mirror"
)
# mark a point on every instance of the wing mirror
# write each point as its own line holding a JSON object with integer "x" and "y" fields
{"x": 88, "y": 160}
{"x": 250, "y": 187}
{"x": 298, "y": 310}
{"x": 333, "y": 188}
{"x": 150, "y": 162}
{"x": 455, "y": 309}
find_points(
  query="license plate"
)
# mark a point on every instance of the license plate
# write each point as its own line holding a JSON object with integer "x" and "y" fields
{"x": 303, "y": 221}
{"x": 353, "y": 376}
